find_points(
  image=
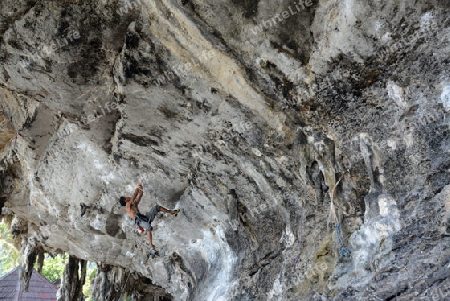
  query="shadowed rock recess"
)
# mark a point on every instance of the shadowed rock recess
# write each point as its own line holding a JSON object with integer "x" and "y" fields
{"x": 244, "y": 115}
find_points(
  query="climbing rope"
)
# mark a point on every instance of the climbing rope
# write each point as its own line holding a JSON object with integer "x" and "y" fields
{"x": 343, "y": 251}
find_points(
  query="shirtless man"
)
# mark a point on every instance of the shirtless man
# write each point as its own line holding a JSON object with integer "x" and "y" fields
{"x": 143, "y": 222}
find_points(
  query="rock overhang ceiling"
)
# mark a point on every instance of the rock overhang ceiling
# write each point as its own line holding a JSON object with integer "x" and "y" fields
{"x": 244, "y": 114}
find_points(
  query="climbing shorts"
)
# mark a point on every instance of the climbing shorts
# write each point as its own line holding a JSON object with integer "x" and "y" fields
{"x": 142, "y": 223}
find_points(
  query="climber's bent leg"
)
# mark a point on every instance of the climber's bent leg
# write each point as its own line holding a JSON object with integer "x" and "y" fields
{"x": 152, "y": 214}
{"x": 173, "y": 212}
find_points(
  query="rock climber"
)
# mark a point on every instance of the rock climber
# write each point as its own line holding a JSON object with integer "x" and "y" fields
{"x": 143, "y": 222}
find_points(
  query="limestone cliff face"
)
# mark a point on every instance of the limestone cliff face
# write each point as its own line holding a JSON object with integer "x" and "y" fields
{"x": 243, "y": 114}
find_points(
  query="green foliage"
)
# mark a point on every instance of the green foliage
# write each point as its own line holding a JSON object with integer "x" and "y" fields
{"x": 53, "y": 267}
{"x": 90, "y": 275}
{"x": 91, "y": 272}
{"x": 9, "y": 254}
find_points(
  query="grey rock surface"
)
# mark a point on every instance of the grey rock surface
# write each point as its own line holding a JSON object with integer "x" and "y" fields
{"x": 244, "y": 115}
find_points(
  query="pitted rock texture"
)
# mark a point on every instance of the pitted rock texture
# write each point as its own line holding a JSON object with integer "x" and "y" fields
{"x": 243, "y": 114}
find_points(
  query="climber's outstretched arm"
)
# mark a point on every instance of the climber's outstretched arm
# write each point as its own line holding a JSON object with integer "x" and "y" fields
{"x": 139, "y": 190}
{"x": 139, "y": 196}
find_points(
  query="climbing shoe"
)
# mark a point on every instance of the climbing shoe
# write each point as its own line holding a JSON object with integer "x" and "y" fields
{"x": 175, "y": 213}
{"x": 153, "y": 252}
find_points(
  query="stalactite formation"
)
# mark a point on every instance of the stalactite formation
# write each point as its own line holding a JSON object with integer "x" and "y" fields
{"x": 72, "y": 281}
{"x": 113, "y": 283}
